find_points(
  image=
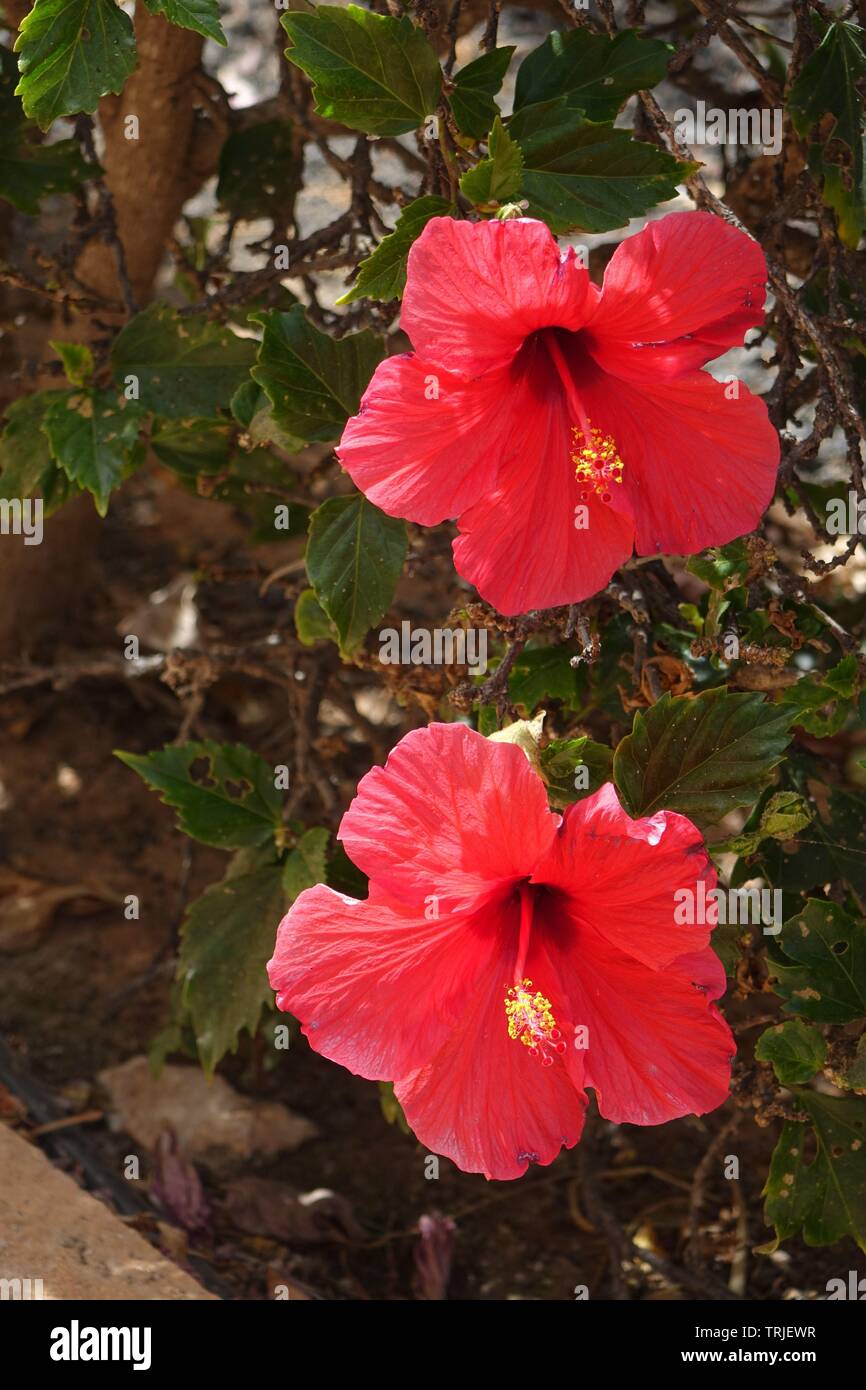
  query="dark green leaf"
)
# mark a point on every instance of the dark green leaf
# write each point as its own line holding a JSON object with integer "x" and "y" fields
{"x": 573, "y": 768}
{"x": 258, "y": 172}
{"x": 93, "y": 436}
{"x": 184, "y": 366}
{"x": 579, "y": 174}
{"x": 830, "y": 85}
{"x": 701, "y": 756}
{"x": 30, "y": 172}
{"x": 475, "y": 86}
{"x": 224, "y": 793}
{"x": 370, "y": 72}
{"x": 795, "y": 1049}
{"x": 314, "y": 382}
{"x": 27, "y": 466}
{"x": 818, "y": 964}
{"x": 722, "y": 568}
{"x": 383, "y": 274}
{"x": 226, "y": 942}
{"x": 595, "y": 73}
{"x": 71, "y": 52}
{"x": 354, "y": 558}
{"x": 827, "y": 1197}
{"x": 540, "y": 674}
{"x": 832, "y": 850}
{"x": 201, "y": 15}
{"x": 497, "y": 178}
{"x": 311, "y": 621}
{"x": 305, "y": 863}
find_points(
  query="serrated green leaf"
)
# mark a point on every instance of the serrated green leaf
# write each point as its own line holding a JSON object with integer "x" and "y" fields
{"x": 93, "y": 436}
{"x": 594, "y": 72}
{"x": 224, "y": 793}
{"x": 27, "y": 466}
{"x": 305, "y": 863}
{"x": 258, "y": 171}
{"x": 581, "y": 174}
{"x": 830, "y": 84}
{"x": 354, "y": 557}
{"x": 818, "y": 964}
{"x": 184, "y": 365}
{"x": 497, "y": 178}
{"x": 77, "y": 360}
{"x": 701, "y": 756}
{"x": 201, "y": 15}
{"x": 312, "y": 623}
{"x": 826, "y": 1198}
{"x": 313, "y": 381}
{"x": 796, "y": 1051}
{"x": 71, "y": 53}
{"x": 574, "y": 768}
{"x": 226, "y": 941}
{"x": 722, "y": 568}
{"x": 475, "y": 86}
{"x": 834, "y": 849}
{"x": 370, "y": 72}
{"x": 383, "y": 274}
{"x": 785, "y": 814}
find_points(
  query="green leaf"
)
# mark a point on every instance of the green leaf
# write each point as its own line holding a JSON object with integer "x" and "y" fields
{"x": 369, "y": 71}
{"x": 854, "y": 1075}
{"x": 475, "y": 86}
{"x": 822, "y": 704}
{"x": 71, "y": 53}
{"x": 818, "y": 964}
{"x": 185, "y": 366}
{"x": 354, "y": 558}
{"x": 579, "y": 174}
{"x": 313, "y": 381}
{"x": 701, "y": 756}
{"x": 827, "y": 1197}
{"x": 567, "y": 763}
{"x": 830, "y": 85}
{"x": 305, "y": 864}
{"x": 383, "y": 274}
{"x": 223, "y": 792}
{"x": 497, "y": 178}
{"x": 785, "y": 814}
{"x": 311, "y": 621}
{"x": 30, "y": 172}
{"x": 795, "y": 1049}
{"x": 227, "y": 939}
{"x": 540, "y": 674}
{"x": 722, "y": 568}
{"x": 595, "y": 73}
{"x": 258, "y": 171}
{"x": 77, "y": 360}
{"x": 833, "y": 851}
{"x": 201, "y": 15}
{"x": 27, "y": 466}
{"x": 93, "y": 436}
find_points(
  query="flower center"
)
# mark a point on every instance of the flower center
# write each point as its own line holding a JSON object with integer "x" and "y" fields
{"x": 530, "y": 1016}
{"x": 596, "y": 460}
{"x": 531, "y": 1021}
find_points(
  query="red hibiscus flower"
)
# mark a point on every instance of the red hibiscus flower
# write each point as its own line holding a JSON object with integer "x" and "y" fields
{"x": 565, "y": 425}
{"x": 507, "y": 958}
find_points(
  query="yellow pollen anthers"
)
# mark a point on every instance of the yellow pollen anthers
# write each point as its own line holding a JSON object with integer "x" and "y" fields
{"x": 596, "y": 462}
{"x": 531, "y": 1021}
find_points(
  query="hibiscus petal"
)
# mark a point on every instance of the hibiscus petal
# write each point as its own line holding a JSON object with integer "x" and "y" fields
{"x": 679, "y": 293}
{"x": 520, "y": 545}
{"x": 476, "y": 290}
{"x": 700, "y": 461}
{"x": 621, "y": 876}
{"x": 451, "y": 815}
{"x": 376, "y": 986}
{"x": 484, "y": 1102}
{"x": 657, "y": 1047}
{"x": 425, "y": 443}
